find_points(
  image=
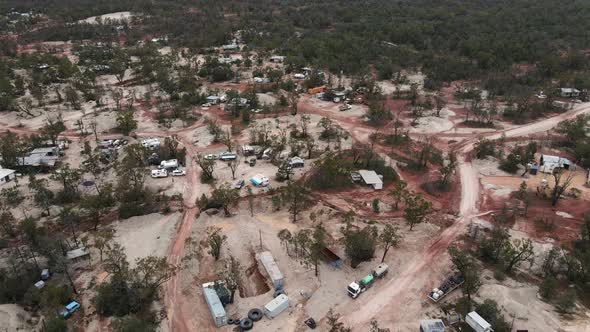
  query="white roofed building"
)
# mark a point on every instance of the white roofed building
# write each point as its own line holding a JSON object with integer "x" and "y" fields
{"x": 6, "y": 175}
{"x": 371, "y": 178}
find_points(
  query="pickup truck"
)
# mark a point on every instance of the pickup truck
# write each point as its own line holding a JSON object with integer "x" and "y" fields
{"x": 355, "y": 288}
{"x": 447, "y": 286}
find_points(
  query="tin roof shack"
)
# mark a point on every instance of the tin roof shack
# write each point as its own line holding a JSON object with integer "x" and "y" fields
{"x": 213, "y": 100}
{"x": 432, "y": 325}
{"x": 41, "y": 157}
{"x": 296, "y": 162}
{"x": 569, "y": 92}
{"x": 477, "y": 323}
{"x": 6, "y": 175}
{"x": 78, "y": 254}
{"x": 549, "y": 163}
{"x": 272, "y": 269}
{"x": 371, "y": 178}
{"x": 236, "y": 104}
{"x": 273, "y": 308}
{"x": 215, "y": 306}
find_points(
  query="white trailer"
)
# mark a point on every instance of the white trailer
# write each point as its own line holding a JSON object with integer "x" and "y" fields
{"x": 272, "y": 269}
{"x": 477, "y": 323}
{"x": 276, "y": 306}
{"x": 151, "y": 143}
{"x": 215, "y": 307}
{"x": 169, "y": 164}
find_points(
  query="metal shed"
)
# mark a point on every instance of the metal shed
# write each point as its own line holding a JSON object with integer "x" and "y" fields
{"x": 276, "y": 306}
{"x": 6, "y": 175}
{"x": 371, "y": 178}
{"x": 215, "y": 307}
{"x": 78, "y": 254}
{"x": 272, "y": 269}
{"x": 477, "y": 323}
{"x": 432, "y": 325}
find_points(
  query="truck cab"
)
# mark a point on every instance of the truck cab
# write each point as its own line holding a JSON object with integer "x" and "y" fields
{"x": 356, "y": 288}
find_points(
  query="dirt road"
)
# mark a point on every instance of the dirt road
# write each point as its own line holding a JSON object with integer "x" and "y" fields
{"x": 181, "y": 316}
{"x": 392, "y": 304}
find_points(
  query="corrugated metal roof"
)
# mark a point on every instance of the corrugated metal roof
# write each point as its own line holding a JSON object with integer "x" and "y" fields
{"x": 76, "y": 253}
{"x": 550, "y": 159}
{"x": 370, "y": 177}
{"x": 215, "y": 305}
{"x": 479, "y": 320}
{"x": 271, "y": 268}
{"x": 432, "y": 325}
{"x": 4, "y": 172}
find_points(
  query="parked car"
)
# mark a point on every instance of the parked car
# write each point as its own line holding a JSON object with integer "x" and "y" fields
{"x": 252, "y": 161}
{"x": 211, "y": 156}
{"x": 178, "y": 172}
{"x": 239, "y": 184}
{"x": 344, "y": 107}
{"x": 45, "y": 274}
{"x": 227, "y": 156}
{"x": 69, "y": 309}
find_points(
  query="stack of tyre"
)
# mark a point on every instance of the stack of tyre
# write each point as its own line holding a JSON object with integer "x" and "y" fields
{"x": 247, "y": 323}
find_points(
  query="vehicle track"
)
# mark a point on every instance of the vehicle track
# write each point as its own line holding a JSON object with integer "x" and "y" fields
{"x": 390, "y": 300}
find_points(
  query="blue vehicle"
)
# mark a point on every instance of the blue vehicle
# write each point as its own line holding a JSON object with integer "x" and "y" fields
{"x": 69, "y": 309}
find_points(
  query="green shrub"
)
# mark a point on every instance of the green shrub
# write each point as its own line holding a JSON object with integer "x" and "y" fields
{"x": 565, "y": 302}
{"x": 132, "y": 323}
{"x": 547, "y": 287}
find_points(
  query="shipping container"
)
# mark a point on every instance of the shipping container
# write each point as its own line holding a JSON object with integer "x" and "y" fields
{"x": 215, "y": 306}
{"x": 272, "y": 269}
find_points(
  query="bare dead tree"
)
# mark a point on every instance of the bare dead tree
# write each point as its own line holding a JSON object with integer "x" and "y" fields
{"x": 233, "y": 166}
{"x": 560, "y": 187}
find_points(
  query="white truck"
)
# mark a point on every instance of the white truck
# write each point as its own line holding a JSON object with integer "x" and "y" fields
{"x": 355, "y": 288}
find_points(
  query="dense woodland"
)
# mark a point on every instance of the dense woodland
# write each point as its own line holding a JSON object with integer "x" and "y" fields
{"x": 451, "y": 39}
